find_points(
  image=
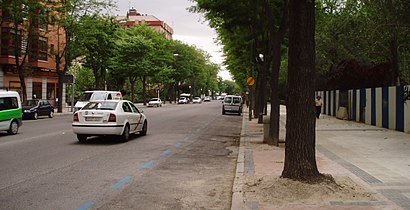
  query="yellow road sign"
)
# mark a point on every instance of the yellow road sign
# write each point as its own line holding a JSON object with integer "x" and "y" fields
{"x": 250, "y": 81}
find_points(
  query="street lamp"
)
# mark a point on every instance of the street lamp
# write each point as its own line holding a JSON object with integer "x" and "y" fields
{"x": 261, "y": 56}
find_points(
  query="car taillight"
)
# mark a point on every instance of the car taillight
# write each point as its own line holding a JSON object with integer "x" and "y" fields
{"x": 75, "y": 118}
{"x": 112, "y": 118}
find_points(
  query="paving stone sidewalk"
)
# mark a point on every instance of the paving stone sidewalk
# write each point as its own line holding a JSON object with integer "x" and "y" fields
{"x": 374, "y": 158}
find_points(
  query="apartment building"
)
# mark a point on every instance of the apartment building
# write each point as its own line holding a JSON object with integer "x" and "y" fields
{"x": 41, "y": 78}
{"x": 134, "y": 17}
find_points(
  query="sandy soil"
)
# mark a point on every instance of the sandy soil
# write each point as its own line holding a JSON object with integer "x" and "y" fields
{"x": 282, "y": 192}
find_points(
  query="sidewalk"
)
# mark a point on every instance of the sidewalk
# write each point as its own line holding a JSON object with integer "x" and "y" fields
{"x": 375, "y": 159}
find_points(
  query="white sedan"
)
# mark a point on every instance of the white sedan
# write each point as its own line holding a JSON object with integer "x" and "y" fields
{"x": 154, "y": 102}
{"x": 111, "y": 117}
{"x": 197, "y": 100}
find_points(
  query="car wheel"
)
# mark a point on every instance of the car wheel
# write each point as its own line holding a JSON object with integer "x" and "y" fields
{"x": 144, "y": 130}
{"x": 239, "y": 113}
{"x": 14, "y": 128}
{"x": 82, "y": 138}
{"x": 51, "y": 115}
{"x": 35, "y": 116}
{"x": 126, "y": 134}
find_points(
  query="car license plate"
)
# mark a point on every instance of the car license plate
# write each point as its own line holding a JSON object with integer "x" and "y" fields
{"x": 92, "y": 118}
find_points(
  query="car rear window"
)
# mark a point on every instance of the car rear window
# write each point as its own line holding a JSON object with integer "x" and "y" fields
{"x": 105, "y": 105}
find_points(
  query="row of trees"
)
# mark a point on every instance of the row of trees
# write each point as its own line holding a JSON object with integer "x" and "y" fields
{"x": 294, "y": 47}
{"x": 135, "y": 60}
{"x": 362, "y": 43}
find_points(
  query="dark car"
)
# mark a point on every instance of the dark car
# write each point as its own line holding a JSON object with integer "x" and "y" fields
{"x": 34, "y": 108}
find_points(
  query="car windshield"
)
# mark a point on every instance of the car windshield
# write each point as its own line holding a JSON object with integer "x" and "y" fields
{"x": 30, "y": 103}
{"x": 105, "y": 105}
{"x": 154, "y": 99}
{"x": 236, "y": 100}
{"x": 85, "y": 97}
{"x": 98, "y": 96}
{"x": 182, "y": 98}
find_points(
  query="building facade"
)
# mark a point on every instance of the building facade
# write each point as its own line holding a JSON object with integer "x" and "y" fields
{"x": 41, "y": 78}
{"x": 134, "y": 17}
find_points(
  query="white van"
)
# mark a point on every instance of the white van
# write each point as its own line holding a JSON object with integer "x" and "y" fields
{"x": 97, "y": 95}
{"x": 10, "y": 112}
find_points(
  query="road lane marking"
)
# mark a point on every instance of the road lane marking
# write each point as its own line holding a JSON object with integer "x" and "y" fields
{"x": 166, "y": 153}
{"x": 148, "y": 164}
{"x": 122, "y": 182}
{"x": 86, "y": 205}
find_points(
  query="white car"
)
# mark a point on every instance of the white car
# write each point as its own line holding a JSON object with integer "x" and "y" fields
{"x": 196, "y": 100}
{"x": 154, "y": 102}
{"x": 182, "y": 100}
{"x": 111, "y": 117}
{"x": 207, "y": 99}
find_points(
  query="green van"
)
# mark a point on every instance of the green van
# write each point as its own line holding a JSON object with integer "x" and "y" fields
{"x": 10, "y": 112}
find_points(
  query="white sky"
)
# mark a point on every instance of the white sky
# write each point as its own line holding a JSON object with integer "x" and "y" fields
{"x": 190, "y": 28}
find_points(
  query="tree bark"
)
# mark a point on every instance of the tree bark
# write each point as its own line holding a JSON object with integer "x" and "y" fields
{"x": 300, "y": 157}
{"x": 276, "y": 38}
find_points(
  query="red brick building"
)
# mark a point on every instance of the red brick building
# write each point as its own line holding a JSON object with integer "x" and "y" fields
{"x": 41, "y": 78}
{"x": 133, "y": 17}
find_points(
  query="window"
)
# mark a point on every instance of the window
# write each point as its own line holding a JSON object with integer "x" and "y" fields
{"x": 43, "y": 49}
{"x": 236, "y": 100}
{"x": 134, "y": 108}
{"x": 39, "y": 49}
{"x": 7, "y": 103}
{"x": 126, "y": 107}
{"x": 8, "y": 41}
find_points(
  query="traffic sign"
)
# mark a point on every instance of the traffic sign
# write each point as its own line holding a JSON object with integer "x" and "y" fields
{"x": 250, "y": 81}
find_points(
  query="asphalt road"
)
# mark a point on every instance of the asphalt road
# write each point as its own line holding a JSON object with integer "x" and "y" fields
{"x": 186, "y": 161}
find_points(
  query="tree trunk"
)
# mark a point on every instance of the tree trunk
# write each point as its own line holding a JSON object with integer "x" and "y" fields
{"x": 274, "y": 96}
{"x": 395, "y": 61}
{"x": 276, "y": 38}
{"x": 300, "y": 157}
{"x": 144, "y": 90}
{"x": 132, "y": 81}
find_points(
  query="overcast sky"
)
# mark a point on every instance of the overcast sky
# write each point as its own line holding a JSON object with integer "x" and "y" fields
{"x": 190, "y": 28}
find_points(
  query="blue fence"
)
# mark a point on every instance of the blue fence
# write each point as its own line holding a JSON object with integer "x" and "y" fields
{"x": 387, "y": 107}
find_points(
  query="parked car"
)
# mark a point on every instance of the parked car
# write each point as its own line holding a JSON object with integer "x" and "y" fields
{"x": 182, "y": 100}
{"x": 34, "y": 108}
{"x": 154, "y": 102}
{"x": 207, "y": 99}
{"x": 196, "y": 100}
{"x": 110, "y": 117}
{"x": 232, "y": 103}
{"x": 10, "y": 112}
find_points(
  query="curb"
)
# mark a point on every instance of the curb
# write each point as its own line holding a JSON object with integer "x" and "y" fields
{"x": 237, "y": 194}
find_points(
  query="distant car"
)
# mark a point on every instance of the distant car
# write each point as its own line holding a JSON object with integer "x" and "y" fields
{"x": 232, "y": 103}
{"x": 182, "y": 100}
{"x": 196, "y": 100}
{"x": 154, "y": 102}
{"x": 207, "y": 99}
{"x": 34, "y": 108}
{"x": 111, "y": 117}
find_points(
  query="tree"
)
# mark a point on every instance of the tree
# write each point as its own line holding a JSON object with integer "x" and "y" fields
{"x": 25, "y": 16}
{"x": 132, "y": 57}
{"x": 300, "y": 157}
{"x": 65, "y": 16}
{"x": 95, "y": 38}
{"x": 142, "y": 52}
